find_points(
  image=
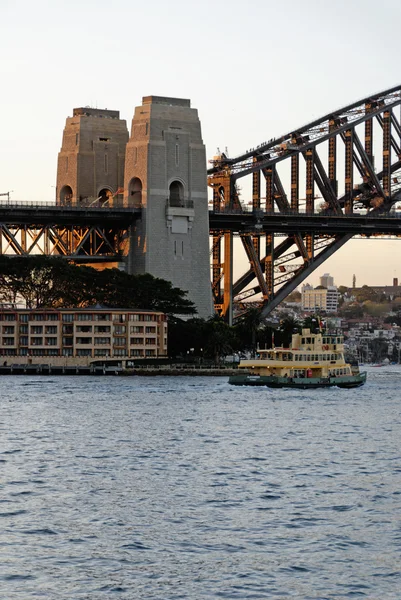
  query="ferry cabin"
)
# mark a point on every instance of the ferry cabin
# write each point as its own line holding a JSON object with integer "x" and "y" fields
{"x": 310, "y": 355}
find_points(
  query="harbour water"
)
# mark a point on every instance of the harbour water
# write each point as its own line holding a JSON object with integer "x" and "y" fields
{"x": 187, "y": 488}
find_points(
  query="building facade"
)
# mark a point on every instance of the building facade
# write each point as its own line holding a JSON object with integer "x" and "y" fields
{"x": 82, "y": 335}
{"x": 320, "y": 298}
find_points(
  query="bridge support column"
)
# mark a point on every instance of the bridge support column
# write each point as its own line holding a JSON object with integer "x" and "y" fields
{"x": 165, "y": 171}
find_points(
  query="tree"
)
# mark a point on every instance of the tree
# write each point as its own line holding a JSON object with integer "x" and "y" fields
{"x": 220, "y": 338}
{"x": 288, "y": 326}
{"x": 248, "y": 328}
{"x": 52, "y": 282}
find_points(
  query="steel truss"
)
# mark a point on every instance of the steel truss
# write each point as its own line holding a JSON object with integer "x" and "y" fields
{"x": 84, "y": 244}
{"x": 331, "y": 159}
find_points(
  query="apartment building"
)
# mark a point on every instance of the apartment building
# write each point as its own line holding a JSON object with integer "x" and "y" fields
{"x": 319, "y": 298}
{"x": 82, "y": 334}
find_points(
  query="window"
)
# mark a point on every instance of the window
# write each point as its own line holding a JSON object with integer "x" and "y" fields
{"x": 150, "y": 353}
{"x": 84, "y": 317}
{"x": 23, "y": 340}
{"x": 51, "y": 341}
{"x": 102, "y": 352}
{"x": 67, "y": 352}
{"x": 103, "y": 317}
{"x": 150, "y": 329}
{"x": 36, "y": 329}
{"x": 136, "y": 353}
{"x": 9, "y": 330}
{"x": 84, "y": 340}
{"x": 102, "y": 340}
{"x": 68, "y": 318}
{"x": 102, "y": 328}
{"x": 38, "y": 352}
{"x": 136, "y": 329}
{"x": 10, "y": 317}
{"x": 136, "y": 341}
{"x": 136, "y": 318}
{"x": 84, "y": 328}
{"x": 104, "y": 139}
{"x": 119, "y": 318}
{"x": 84, "y": 352}
{"x": 120, "y": 352}
{"x": 24, "y": 318}
{"x": 119, "y": 329}
{"x": 150, "y": 341}
{"x": 37, "y": 341}
{"x": 8, "y": 341}
{"x": 51, "y": 329}
{"x": 68, "y": 341}
{"x": 52, "y": 317}
{"x": 69, "y": 329}
{"x": 119, "y": 341}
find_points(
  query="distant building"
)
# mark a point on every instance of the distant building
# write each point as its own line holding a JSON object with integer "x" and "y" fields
{"x": 327, "y": 280}
{"x": 322, "y": 298}
{"x": 81, "y": 334}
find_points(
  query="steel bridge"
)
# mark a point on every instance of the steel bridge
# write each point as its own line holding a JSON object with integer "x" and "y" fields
{"x": 310, "y": 191}
{"x": 308, "y": 187}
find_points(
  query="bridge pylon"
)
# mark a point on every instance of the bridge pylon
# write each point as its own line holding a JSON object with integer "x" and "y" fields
{"x": 165, "y": 176}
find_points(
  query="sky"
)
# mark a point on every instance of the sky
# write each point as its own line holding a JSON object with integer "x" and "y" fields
{"x": 254, "y": 70}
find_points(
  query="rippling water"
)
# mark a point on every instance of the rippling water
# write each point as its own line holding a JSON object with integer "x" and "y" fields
{"x": 175, "y": 488}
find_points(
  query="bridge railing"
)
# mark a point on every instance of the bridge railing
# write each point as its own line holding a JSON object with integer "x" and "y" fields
{"x": 302, "y": 213}
{"x": 19, "y": 204}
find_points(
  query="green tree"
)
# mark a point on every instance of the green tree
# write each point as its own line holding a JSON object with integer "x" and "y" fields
{"x": 220, "y": 339}
{"x": 247, "y": 329}
{"x": 288, "y": 326}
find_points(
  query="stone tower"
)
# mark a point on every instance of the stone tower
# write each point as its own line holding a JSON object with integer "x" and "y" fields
{"x": 91, "y": 159}
{"x": 165, "y": 174}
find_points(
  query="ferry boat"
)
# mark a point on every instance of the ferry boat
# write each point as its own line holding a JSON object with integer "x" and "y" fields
{"x": 314, "y": 360}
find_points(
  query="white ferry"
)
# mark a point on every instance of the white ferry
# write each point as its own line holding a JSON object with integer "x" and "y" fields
{"x": 314, "y": 360}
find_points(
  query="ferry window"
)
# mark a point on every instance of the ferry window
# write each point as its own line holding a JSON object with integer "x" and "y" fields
{"x": 303, "y": 341}
{"x": 308, "y": 340}
{"x": 289, "y": 356}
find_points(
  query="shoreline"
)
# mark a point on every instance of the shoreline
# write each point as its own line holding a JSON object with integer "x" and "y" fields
{"x": 37, "y": 369}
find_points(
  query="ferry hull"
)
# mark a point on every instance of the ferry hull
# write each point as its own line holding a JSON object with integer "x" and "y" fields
{"x": 273, "y": 381}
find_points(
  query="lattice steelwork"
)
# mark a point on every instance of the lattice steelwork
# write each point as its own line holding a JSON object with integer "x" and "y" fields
{"x": 81, "y": 244}
{"x": 82, "y": 234}
{"x": 346, "y": 164}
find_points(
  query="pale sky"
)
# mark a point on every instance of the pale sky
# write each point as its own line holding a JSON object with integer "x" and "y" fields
{"x": 254, "y": 70}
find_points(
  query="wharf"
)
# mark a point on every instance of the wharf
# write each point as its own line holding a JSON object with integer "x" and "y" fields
{"x": 167, "y": 370}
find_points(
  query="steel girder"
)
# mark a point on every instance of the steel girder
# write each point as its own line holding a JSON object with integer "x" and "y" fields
{"x": 85, "y": 244}
{"x": 331, "y": 160}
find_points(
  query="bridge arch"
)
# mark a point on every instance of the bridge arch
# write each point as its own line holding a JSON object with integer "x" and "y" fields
{"x": 66, "y": 195}
{"x": 135, "y": 192}
{"x": 105, "y": 196}
{"x": 176, "y": 193}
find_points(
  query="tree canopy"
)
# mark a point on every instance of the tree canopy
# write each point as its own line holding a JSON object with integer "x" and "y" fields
{"x": 53, "y": 282}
